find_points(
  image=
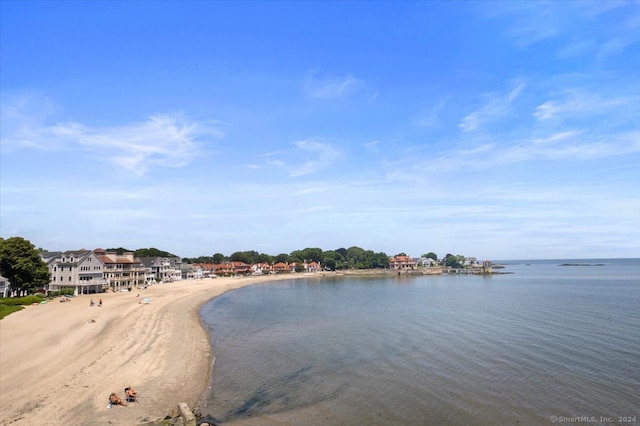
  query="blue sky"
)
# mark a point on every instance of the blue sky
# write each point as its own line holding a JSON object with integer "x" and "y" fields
{"x": 501, "y": 130}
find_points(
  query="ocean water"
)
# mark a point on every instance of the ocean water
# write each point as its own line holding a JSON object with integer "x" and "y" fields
{"x": 540, "y": 345}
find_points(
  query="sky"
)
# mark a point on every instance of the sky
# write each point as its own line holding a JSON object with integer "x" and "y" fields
{"x": 494, "y": 129}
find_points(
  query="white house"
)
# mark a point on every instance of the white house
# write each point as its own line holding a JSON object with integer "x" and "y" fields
{"x": 81, "y": 270}
{"x": 4, "y": 287}
{"x": 164, "y": 269}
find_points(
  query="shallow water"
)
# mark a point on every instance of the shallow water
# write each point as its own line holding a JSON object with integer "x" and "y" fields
{"x": 546, "y": 341}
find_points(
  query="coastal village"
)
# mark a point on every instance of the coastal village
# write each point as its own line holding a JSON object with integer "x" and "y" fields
{"x": 99, "y": 270}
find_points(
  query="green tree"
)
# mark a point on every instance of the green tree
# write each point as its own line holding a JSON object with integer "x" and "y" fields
{"x": 22, "y": 265}
{"x": 119, "y": 250}
{"x": 152, "y": 252}
{"x": 332, "y": 260}
{"x": 453, "y": 261}
{"x": 248, "y": 257}
{"x": 218, "y": 258}
{"x": 380, "y": 260}
{"x": 309, "y": 254}
{"x": 282, "y": 257}
{"x": 359, "y": 258}
{"x": 312, "y": 254}
{"x": 431, "y": 255}
{"x": 342, "y": 251}
{"x": 296, "y": 256}
{"x": 265, "y": 258}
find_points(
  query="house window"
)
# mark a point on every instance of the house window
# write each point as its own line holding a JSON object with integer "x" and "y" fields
{"x": 69, "y": 278}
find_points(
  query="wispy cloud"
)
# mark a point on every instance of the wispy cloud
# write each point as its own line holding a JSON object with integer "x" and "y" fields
{"x": 318, "y": 87}
{"x": 167, "y": 140}
{"x": 317, "y": 156}
{"x": 574, "y": 147}
{"x": 495, "y": 105}
{"x": 372, "y": 146}
{"x": 533, "y": 22}
{"x": 594, "y": 8}
{"x": 568, "y": 147}
{"x": 580, "y": 102}
{"x": 308, "y": 157}
{"x": 429, "y": 118}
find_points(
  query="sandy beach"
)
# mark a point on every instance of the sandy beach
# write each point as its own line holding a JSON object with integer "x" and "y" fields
{"x": 57, "y": 368}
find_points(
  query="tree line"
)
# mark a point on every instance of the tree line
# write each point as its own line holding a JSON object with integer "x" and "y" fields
{"x": 342, "y": 258}
{"x": 351, "y": 258}
{"x": 21, "y": 264}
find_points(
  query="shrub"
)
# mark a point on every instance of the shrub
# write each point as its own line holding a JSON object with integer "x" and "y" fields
{"x": 67, "y": 291}
{"x": 16, "y": 301}
{"x": 54, "y": 293}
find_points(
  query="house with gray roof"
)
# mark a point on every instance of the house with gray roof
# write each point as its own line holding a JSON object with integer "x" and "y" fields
{"x": 81, "y": 270}
{"x": 163, "y": 269}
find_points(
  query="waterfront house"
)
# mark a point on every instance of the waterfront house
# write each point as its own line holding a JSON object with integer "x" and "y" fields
{"x": 163, "y": 269}
{"x": 426, "y": 262}
{"x": 401, "y": 262}
{"x": 312, "y": 266}
{"x": 232, "y": 268}
{"x": 121, "y": 270}
{"x": 82, "y": 270}
{"x": 207, "y": 270}
{"x": 280, "y": 267}
{"x": 260, "y": 268}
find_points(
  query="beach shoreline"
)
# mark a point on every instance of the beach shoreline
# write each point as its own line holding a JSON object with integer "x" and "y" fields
{"x": 58, "y": 367}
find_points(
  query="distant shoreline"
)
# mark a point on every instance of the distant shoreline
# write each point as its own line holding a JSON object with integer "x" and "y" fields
{"x": 581, "y": 264}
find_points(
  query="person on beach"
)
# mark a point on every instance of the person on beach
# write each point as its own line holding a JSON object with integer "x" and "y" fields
{"x": 92, "y": 303}
{"x": 131, "y": 395}
{"x": 115, "y": 399}
{"x": 100, "y": 303}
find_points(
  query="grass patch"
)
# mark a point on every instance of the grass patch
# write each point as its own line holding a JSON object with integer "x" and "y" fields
{"x": 9, "y": 305}
{"x": 6, "y": 309}
{"x": 25, "y": 300}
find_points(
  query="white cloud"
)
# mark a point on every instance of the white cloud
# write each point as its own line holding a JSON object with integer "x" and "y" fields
{"x": 372, "y": 146}
{"x": 323, "y": 154}
{"x": 535, "y": 21}
{"x": 595, "y": 8}
{"x": 168, "y": 140}
{"x": 429, "y": 118}
{"x": 555, "y": 137}
{"x": 495, "y": 106}
{"x": 331, "y": 87}
{"x": 572, "y": 148}
{"x": 308, "y": 157}
{"x": 580, "y": 102}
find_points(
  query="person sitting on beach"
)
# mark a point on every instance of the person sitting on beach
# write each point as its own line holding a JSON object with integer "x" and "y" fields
{"x": 131, "y": 395}
{"x": 115, "y": 399}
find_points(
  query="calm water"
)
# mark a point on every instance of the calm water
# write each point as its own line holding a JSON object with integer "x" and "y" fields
{"x": 519, "y": 348}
